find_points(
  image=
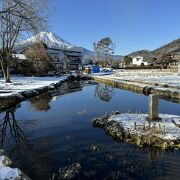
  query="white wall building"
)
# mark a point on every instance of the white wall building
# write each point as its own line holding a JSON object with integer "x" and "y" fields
{"x": 138, "y": 60}
{"x": 19, "y": 56}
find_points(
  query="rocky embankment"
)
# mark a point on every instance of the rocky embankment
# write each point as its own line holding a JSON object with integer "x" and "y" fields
{"x": 135, "y": 128}
{"x": 14, "y": 98}
{"x": 24, "y": 88}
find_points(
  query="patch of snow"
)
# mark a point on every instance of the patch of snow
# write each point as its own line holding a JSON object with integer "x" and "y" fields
{"x": 8, "y": 172}
{"x": 101, "y": 73}
{"x": 20, "y": 84}
{"x": 151, "y": 77}
{"x": 157, "y": 80}
{"x": 19, "y": 56}
{"x": 170, "y": 131}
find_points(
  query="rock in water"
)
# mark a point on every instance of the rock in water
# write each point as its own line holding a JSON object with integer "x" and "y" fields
{"x": 100, "y": 121}
{"x": 69, "y": 172}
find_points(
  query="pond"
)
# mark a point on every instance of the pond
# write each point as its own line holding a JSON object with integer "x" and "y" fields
{"x": 54, "y": 130}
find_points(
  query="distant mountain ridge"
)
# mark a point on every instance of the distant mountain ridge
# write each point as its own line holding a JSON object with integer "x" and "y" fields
{"x": 170, "y": 47}
{"x": 54, "y": 41}
{"x": 173, "y": 46}
{"x": 91, "y": 55}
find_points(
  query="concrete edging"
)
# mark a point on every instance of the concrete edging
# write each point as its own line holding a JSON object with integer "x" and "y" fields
{"x": 163, "y": 92}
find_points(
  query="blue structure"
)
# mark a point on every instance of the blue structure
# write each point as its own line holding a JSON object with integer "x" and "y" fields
{"x": 95, "y": 69}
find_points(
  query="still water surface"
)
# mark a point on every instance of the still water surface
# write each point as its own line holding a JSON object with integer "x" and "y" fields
{"x": 52, "y": 131}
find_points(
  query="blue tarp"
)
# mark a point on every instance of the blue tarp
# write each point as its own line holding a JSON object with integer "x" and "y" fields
{"x": 95, "y": 69}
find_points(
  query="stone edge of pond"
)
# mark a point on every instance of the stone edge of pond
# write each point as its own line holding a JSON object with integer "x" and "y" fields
{"x": 163, "y": 92}
{"x": 14, "y": 99}
{"x": 7, "y": 171}
{"x": 117, "y": 132}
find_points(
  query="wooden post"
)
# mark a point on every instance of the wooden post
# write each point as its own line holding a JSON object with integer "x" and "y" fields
{"x": 153, "y": 107}
{"x": 179, "y": 69}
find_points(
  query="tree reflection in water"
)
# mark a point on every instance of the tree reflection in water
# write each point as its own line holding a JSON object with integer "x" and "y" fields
{"x": 9, "y": 122}
{"x": 12, "y": 136}
{"x": 41, "y": 103}
{"x": 15, "y": 141}
{"x": 104, "y": 92}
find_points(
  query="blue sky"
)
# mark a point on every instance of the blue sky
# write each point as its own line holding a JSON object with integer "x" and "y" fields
{"x": 131, "y": 24}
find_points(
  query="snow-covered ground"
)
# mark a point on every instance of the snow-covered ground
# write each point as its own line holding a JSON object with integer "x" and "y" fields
{"x": 165, "y": 84}
{"x": 148, "y": 77}
{"x": 164, "y": 128}
{"x": 7, "y": 172}
{"x": 20, "y": 84}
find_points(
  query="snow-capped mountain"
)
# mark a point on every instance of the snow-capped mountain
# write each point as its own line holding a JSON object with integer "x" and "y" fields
{"x": 54, "y": 41}
{"x": 48, "y": 38}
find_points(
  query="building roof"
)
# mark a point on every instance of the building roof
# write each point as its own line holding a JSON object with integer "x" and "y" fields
{"x": 72, "y": 54}
{"x": 137, "y": 57}
{"x": 20, "y": 56}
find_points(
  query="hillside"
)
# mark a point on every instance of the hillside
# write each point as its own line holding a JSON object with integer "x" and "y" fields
{"x": 90, "y": 55}
{"x": 173, "y": 46}
{"x": 168, "y": 48}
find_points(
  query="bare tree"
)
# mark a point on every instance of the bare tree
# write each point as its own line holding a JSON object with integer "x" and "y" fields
{"x": 104, "y": 47}
{"x": 97, "y": 50}
{"x": 18, "y": 17}
{"x": 107, "y": 47}
{"x": 37, "y": 55}
{"x": 37, "y": 52}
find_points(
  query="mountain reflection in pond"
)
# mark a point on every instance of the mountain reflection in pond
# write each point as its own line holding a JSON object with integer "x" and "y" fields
{"x": 52, "y": 135}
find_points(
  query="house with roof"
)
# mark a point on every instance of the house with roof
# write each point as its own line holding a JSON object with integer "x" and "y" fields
{"x": 138, "y": 61}
{"x": 62, "y": 59}
{"x": 175, "y": 55}
{"x": 63, "y": 55}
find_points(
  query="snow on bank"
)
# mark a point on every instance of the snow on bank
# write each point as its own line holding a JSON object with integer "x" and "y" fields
{"x": 20, "y": 84}
{"x": 166, "y": 85}
{"x": 149, "y": 77}
{"x": 162, "y": 90}
{"x": 164, "y": 128}
{"x": 8, "y": 172}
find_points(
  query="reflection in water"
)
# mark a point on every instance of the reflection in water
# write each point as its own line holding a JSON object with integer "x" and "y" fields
{"x": 12, "y": 135}
{"x": 104, "y": 92}
{"x": 41, "y": 103}
{"x": 63, "y": 138}
{"x": 8, "y": 122}
{"x": 19, "y": 147}
{"x": 155, "y": 153}
{"x": 67, "y": 87}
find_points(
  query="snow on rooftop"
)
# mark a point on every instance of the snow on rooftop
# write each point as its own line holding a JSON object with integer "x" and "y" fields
{"x": 20, "y": 56}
